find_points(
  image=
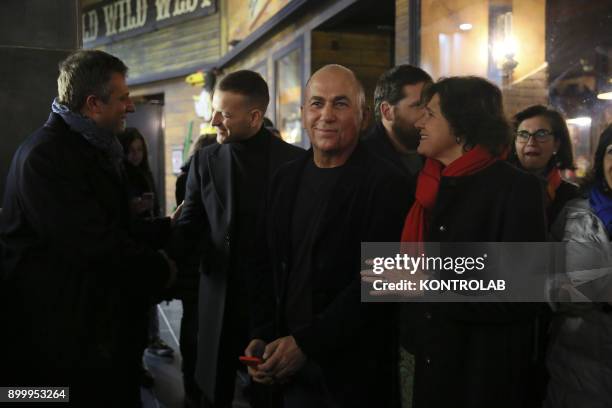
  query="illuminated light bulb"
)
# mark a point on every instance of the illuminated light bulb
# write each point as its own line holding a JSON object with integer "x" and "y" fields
{"x": 580, "y": 121}
{"x": 606, "y": 96}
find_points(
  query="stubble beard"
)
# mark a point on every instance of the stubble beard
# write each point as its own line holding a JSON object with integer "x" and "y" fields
{"x": 408, "y": 136}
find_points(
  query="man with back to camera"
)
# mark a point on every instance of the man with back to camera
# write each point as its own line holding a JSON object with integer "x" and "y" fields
{"x": 396, "y": 109}
{"x": 226, "y": 187}
{"x": 321, "y": 345}
{"x": 73, "y": 272}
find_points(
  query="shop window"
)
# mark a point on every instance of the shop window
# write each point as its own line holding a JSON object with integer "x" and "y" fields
{"x": 288, "y": 91}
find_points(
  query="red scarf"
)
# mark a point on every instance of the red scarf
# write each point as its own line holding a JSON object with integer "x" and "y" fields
{"x": 554, "y": 181}
{"x": 428, "y": 184}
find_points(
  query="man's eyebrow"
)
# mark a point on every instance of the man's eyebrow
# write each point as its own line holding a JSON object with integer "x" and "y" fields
{"x": 336, "y": 98}
{"x": 341, "y": 98}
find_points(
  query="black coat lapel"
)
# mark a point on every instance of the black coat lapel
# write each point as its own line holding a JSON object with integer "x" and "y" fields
{"x": 281, "y": 219}
{"x": 284, "y": 218}
{"x": 221, "y": 176}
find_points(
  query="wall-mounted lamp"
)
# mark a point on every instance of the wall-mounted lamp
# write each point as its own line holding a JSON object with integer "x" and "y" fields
{"x": 504, "y": 45}
{"x": 465, "y": 27}
{"x": 606, "y": 93}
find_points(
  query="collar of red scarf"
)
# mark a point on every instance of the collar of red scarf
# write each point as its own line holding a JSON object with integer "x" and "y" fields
{"x": 428, "y": 184}
{"x": 553, "y": 183}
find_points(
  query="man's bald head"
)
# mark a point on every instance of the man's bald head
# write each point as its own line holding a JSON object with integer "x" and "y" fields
{"x": 340, "y": 72}
{"x": 333, "y": 114}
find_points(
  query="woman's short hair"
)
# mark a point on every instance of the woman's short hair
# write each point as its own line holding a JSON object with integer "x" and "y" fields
{"x": 474, "y": 109}
{"x": 564, "y": 159}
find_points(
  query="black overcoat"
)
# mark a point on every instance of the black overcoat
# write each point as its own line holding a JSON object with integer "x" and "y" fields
{"x": 74, "y": 281}
{"x": 207, "y": 218}
{"x": 475, "y": 355}
{"x": 351, "y": 341}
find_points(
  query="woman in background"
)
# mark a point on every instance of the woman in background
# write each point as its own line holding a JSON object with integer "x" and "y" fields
{"x": 141, "y": 187}
{"x": 542, "y": 146}
{"x": 580, "y": 354}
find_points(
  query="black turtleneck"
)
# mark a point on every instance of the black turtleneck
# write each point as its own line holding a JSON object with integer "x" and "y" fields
{"x": 313, "y": 195}
{"x": 250, "y": 168}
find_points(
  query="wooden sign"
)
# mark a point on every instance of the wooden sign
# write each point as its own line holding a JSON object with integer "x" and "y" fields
{"x": 113, "y": 20}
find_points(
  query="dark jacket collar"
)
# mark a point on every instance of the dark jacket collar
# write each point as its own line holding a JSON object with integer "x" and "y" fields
{"x": 377, "y": 141}
{"x": 353, "y": 171}
{"x": 221, "y": 169}
{"x": 57, "y": 125}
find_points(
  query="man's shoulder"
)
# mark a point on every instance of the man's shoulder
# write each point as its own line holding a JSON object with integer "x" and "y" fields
{"x": 212, "y": 149}
{"x": 203, "y": 155}
{"x": 506, "y": 173}
{"x": 51, "y": 139}
{"x": 375, "y": 138}
{"x": 288, "y": 150}
{"x": 379, "y": 166}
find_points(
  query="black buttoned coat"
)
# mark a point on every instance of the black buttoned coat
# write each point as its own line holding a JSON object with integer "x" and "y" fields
{"x": 351, "y": 341}
{"x": 479, "y": 355}
{"x": 207, "y": 217}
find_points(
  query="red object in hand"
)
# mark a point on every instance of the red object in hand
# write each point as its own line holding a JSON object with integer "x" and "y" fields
{"x": 250, "y": 361}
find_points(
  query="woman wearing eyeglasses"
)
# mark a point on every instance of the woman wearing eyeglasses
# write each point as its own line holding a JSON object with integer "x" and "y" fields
{"x": 542, "y": 146}
{"x": 579, "y": 358}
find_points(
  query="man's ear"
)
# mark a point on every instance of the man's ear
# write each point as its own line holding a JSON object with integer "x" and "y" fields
{"x": 256, "y": 117}
{"x": 386, "y": 111}
{"x": 92, "y": 104}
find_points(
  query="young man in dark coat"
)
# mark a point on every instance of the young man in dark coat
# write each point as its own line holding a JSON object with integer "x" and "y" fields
{"x": 318, "y": 340}
{"x": 226, "y": 187}
{"x": 74, "y": 276}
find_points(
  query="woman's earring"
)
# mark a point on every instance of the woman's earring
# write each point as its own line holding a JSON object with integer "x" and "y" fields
{"x": 458, "y": 140}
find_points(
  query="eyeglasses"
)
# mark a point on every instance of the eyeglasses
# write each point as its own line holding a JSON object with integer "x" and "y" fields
{"x": 540, "y": 136}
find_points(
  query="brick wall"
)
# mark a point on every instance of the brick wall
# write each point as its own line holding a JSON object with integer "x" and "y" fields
{"x": 523, "y": 92}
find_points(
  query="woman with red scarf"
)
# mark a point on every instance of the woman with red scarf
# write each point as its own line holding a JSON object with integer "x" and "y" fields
{"x": 542, "y": 146}
{"x": 471, "y": 355}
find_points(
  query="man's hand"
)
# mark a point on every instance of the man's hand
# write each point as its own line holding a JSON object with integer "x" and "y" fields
{"x": 283, "y": 358}
{"x": 256, "y": 348}
{"x": 177, "y": 213}
{"x": 393, "y": 276}
{"x": 138, "y": 206}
